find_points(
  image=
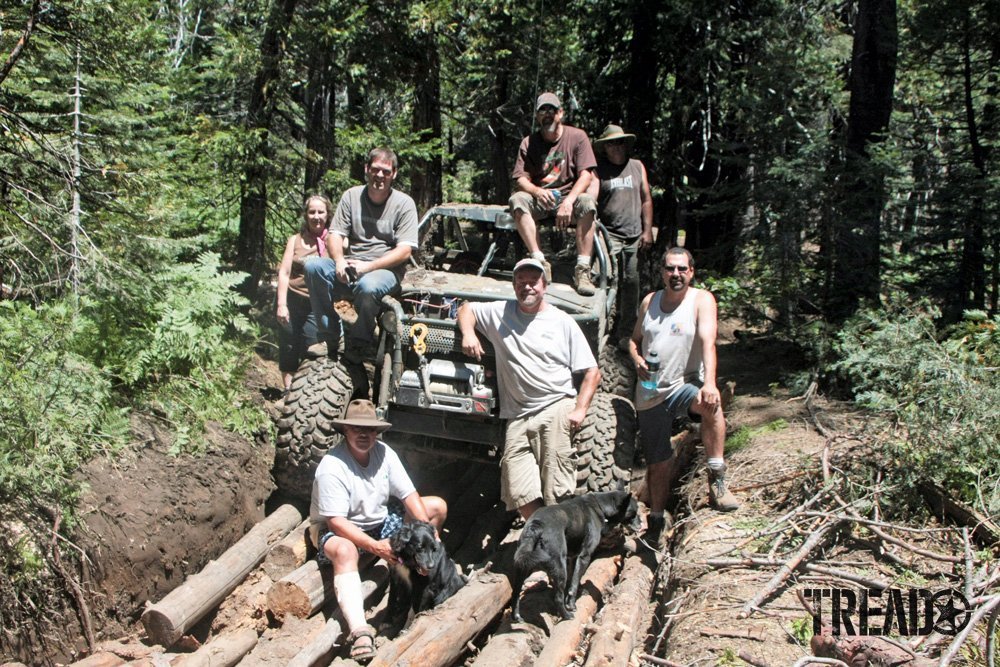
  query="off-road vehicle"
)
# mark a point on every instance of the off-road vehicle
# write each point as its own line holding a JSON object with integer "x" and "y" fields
{"x": 439, "y": 399}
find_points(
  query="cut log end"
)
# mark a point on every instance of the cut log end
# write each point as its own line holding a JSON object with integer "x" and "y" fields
{"x": 287, "y": 598}
{"x": 160, "y": 627}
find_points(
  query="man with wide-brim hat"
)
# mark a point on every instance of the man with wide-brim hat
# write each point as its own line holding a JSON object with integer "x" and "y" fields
{"x": 360, "y": 498}
{"x": 539, "y": 348}
{"x": 551, "y": 176}
{"x": 625, "y": 208}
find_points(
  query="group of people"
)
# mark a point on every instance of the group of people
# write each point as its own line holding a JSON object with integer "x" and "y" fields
{"x": 361, "y": 493}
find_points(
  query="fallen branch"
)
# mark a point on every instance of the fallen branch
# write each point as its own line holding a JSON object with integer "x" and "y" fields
{"x": 817, "y": 538}
{"x": 616, "y": 636}
{"x": 808, "y": 567}
{"x": 757, "y": 634}
{"x": 853, "y": 514}
{"x": 987, "y": 608}
{"x": 223, "y": 651}
{"x": 752, "y": 660}
{"x": 659, "y": 661}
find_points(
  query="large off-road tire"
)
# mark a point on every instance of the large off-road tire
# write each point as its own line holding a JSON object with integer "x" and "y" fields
{"x": 617, "y": 372}
{"x": 605, "y": 445}
{"x": 320, "y": 392}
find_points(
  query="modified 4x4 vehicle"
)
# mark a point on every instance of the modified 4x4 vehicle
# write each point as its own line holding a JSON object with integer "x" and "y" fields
{"x": 437, "y": 398}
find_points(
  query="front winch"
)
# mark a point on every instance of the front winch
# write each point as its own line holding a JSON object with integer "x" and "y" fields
{"x": 452, "y": 386}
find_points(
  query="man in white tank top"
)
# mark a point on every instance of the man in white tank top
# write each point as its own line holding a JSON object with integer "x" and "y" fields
{"x": 680, "y": 323}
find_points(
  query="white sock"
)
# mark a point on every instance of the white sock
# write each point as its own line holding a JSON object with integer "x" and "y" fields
{"x": 350, "y": 597}
{"x": 716, "y": 463}
{"x": 583, "y": 260}
{"x": 538, "y": 255}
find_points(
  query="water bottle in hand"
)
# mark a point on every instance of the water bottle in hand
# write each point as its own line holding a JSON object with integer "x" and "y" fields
{"x": 653, "y": 365}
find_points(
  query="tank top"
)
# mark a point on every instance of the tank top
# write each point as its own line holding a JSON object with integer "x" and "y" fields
{"x": 620, "y": 198}
{"x": 674, "y": 337}
{"x": 296, "y": 277}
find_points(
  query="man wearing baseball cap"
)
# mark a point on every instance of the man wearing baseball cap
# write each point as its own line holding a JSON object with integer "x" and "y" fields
{"x": 551, "y": 176}
{"x": 361, "y": 495}
{"x": 539, "y": 348}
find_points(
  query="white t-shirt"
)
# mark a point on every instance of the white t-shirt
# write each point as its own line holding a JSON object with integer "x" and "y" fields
{"x": 537, "y": 354}
{"x": 343, "y": 487}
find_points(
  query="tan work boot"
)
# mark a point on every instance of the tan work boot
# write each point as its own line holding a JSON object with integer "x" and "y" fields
{"x": 582, "y": 282}
{"x": 548, "y": 270}
{"x": 718, "y": 495}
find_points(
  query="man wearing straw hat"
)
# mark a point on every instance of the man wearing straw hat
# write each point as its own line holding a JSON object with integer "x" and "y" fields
{"x": 361, "y": 495}
{"x": 625, "y": 208}
{"x": 551, "y": 175}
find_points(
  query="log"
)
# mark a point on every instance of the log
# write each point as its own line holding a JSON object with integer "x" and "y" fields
{"x": 566, "y": 637}
{"x": 320, "y": 647}
{"x": 222, "y": 651}
{"x": 289, "y": 553}
{"x": 302, "y": 592}
{"x": 316, "y": 636}
{"x": 438, "y": 637}
{"x": 101, "y": 659}
{"x": 170, "y": 618}
{"x": 616, "y": 635}
{"x": 511, "y": 646}
{"x": 984, "y": 530}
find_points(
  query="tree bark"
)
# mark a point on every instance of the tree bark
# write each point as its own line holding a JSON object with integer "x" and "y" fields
{"x": 251, "y": 244}
{"x": 857, "y": 230}
{"x": 643, "y": 68}
{"x": 320, "y": 101}
{"x": 289, "y": 553}
{"x": 223, "y": 651}
{"x": 172, "y": 616}
{"x": 619, "y": 628}
{"x": 425, "y": 173}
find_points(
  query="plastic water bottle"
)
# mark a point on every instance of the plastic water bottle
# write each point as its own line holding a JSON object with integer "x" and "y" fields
{"x": 653, "y": 364}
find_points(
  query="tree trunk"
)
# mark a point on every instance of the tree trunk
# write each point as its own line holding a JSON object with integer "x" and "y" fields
{"x": 172, "y": 616}
{"x": 425, "y": 173}
{"x": 640, "y": 112}
{"x": 222, "y": 651}
{"x": 251, "y": 244}
{"x": 972, "y": 270}
{"x": 619, "y": 629}
{"x": 320, "y": 101}
{"x": 857, "y": 230}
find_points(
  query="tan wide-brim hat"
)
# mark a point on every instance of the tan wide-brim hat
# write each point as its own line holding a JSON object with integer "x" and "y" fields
{"x": 612, "y": 133}
{"x": 360, "y": 412}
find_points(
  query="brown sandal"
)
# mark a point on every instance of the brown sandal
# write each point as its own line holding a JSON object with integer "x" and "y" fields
{"x": 362, "y": 651}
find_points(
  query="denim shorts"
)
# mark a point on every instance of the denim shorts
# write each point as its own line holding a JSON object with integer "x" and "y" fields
{"x": 389, "y": 527}
{"x": 656, "y": 425}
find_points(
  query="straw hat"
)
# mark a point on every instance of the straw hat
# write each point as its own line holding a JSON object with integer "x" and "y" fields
{"x": 360, "y": 412}
{"x": 613, "y": 133}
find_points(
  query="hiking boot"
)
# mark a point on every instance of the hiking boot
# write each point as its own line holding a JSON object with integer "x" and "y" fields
{"x": 317, "y": 350}
{"x": 719, "y": 496}
{"x": 655, "y": 523}
{"x": 548, "y": 270}
{"x": 582, "y": 282}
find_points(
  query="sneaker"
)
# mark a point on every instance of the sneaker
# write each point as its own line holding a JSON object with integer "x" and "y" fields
{"x": 582, "y": 282}
{"x": 718, "y": 495}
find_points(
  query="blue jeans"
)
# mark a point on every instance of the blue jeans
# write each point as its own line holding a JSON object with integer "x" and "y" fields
{"x": 366, "y": 295}
{"x": 297, "y": 335}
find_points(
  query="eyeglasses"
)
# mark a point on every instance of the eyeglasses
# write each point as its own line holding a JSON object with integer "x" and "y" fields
{"x": 380, "y": 171}
{"x": 678, "y": 269}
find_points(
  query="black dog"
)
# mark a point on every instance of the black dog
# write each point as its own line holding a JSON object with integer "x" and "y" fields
{"x": 426, "y": 576}
{"x": 561, "y": 539}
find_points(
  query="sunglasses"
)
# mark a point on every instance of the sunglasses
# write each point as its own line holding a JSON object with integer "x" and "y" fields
{"x": 678, "y": 269}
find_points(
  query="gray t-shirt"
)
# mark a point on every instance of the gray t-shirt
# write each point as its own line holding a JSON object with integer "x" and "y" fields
{"x": 343, "y": 487}
{"x": 620, "y": 200}
{"x": 374, "y": 230}
{"x": 537, "y": 354}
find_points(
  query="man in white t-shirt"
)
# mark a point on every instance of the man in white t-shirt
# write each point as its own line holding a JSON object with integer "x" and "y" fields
{"x": 539, "y": 348}
{"x": 361, "y": 495}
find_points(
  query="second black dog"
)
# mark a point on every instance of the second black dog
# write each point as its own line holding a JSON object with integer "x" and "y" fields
{"x": 560, "y": 540}
{"x": 426, "y": 575}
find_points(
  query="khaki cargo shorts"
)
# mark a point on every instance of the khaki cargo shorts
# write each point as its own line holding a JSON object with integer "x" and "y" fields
{"x": 539, "y": 460}
{"x": 522, "y": 201}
